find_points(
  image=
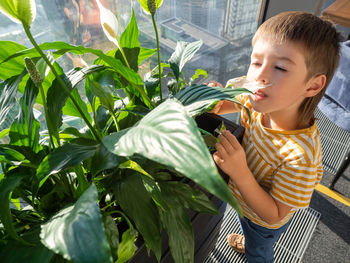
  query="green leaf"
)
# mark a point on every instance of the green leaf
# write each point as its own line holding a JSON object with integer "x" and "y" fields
{"x": 77, "y": 232}
{"x": 75, "y": 132}
{"x": 136, "y": 202}
{"x": 112, "y": 233}
{"x": 16, "y": 65}
{"x": 130, "y": 37}
{"x": 57, "y": 99}
{"x": 134, "y": 166}
{"x": 184, "y": 51}
{"x": 25, "y": 131}
{"x": 19, "y": 11}
{"x": 15, "y": 251}
{"x": 62, "y": 158}
{"x": 179, "y": 228}
{"x": 62, "y": 48}
{"x": 145, "y": 53}
{"x": 126, "y": 248}
{"x": 188, "y": 196}
{"x": 70, "y": 109}
{"x": 131, "y": 55}
{"x": 201, "y": 98}
{"x": 199, "y": 72}
{"x": 103, "y": 160}
{"x": 9, "y": 105}
{"x": 7, "y": 184}
{"x": 8, "y": 154}
{"x": 105, "y": 97}
{"x": 168, "y": 135}
{"x": 83, "y": 182}
{"x": 130, "y": 115}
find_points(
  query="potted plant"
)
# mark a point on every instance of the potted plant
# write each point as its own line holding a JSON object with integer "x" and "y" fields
{"x": 130, "y": 174}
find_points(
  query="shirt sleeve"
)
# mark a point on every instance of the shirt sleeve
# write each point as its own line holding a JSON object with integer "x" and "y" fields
{"x": 294, "y": 183}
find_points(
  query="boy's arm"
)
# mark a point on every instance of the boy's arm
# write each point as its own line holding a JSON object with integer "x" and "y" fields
{"x": 230, "y": 157}
{"x": 224, "y": 106}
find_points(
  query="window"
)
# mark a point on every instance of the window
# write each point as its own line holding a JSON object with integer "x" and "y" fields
{"x": 225, "y": 26}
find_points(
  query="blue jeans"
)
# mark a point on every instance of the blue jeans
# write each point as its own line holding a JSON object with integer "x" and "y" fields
{"x": 259, "y": 241}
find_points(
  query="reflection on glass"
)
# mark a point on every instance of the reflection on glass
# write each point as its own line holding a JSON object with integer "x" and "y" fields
{"x": 225, "y": 26}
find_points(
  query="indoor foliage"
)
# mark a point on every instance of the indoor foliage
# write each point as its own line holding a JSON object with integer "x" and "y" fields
{"x": 87, "y": 195}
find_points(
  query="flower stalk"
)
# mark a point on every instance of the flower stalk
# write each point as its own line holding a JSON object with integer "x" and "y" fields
{"x": 35, "y": 76}
{"x": 158, "y": 50}
{"x": 63, "y": 85}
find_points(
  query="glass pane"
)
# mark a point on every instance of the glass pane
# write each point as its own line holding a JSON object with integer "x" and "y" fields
{"x": 225, "y": 26}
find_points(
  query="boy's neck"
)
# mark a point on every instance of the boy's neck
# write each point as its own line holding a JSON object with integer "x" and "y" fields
{"x": 286, "y": 123}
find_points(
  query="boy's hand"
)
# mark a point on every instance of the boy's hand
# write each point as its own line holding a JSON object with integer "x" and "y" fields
{"x": 213, "y": 84}
{"x": 230, "y": 156}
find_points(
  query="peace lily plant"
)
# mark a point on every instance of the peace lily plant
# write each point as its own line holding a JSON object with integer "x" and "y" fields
{"x": 69, "y": 195}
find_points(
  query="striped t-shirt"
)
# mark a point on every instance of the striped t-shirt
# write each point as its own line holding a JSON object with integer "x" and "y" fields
{"x": 287, "y": 164}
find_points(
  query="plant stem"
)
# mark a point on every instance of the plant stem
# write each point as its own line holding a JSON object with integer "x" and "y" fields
{"x": 63, "y": 85}
{"x": 115, "y": 120}
{"x": 158, "y": 51}
{"x": 124, "y": 216}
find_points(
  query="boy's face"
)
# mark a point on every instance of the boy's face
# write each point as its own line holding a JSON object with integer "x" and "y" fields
{"x": 283, "y": 66}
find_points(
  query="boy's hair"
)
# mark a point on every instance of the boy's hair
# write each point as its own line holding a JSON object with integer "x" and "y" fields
{"x": 320, "y": 41}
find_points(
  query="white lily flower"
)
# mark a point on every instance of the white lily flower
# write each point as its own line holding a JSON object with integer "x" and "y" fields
{"x": 19, "y": 11}
{"x": 242, "y": 82}
{"x": 109, "y": 23}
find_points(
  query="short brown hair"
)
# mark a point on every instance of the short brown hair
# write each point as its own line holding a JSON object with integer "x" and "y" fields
{"x": 320, "y": 41}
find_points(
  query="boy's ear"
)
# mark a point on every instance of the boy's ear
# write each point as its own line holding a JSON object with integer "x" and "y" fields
{"x": 315, "y": 85}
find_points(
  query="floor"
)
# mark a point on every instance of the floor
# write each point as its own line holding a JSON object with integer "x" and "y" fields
{"x": 331, "y": 240}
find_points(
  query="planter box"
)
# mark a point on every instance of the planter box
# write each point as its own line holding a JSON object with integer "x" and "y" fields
{"x": 206, "y": 227}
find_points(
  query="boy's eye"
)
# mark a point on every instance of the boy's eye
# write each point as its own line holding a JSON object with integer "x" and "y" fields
{"x": 255, "y": 64}
{"x": 281, "y": 69}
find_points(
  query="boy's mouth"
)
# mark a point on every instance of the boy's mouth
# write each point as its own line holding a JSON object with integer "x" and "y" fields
{"x": 259, "y": 95}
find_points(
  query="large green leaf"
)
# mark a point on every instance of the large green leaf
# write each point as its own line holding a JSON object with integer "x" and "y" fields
{"x": 64, "y": 157}
{"x": 7, "y": 184}
{"x": 16, "y": 65}
{"x": 19, "y": 11}
{"x": 168, "y": 135}
{"x": 201, "y": 98}
{"x": 136, "y": 202}
{"x": 77, "y": 232}
{"x": 184, "y": 51}
{"x": 25, "y": 131}
{"x": 15, "y": 251}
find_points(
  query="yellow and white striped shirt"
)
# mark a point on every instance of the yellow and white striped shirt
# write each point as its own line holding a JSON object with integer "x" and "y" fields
{"x": 287, "y": 164}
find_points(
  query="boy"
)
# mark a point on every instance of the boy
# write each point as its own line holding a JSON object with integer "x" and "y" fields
{"x": 279, "y": 164}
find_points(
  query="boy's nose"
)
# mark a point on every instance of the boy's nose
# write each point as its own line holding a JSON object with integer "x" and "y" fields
{"x": 263, "y": 76}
